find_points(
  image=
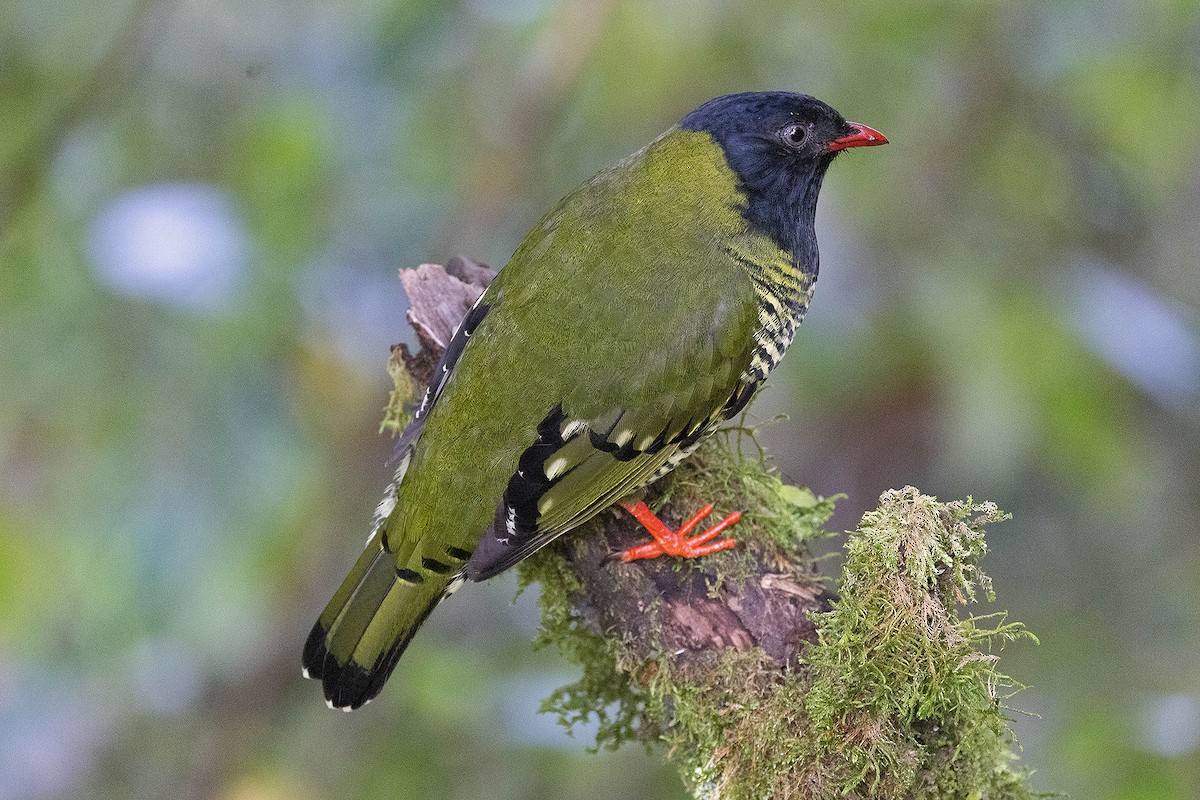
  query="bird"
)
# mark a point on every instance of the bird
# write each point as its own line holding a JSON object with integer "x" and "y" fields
{"x": 634, "y": 319}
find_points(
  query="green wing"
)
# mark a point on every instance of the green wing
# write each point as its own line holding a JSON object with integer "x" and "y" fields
{"x": 579, "y": 466}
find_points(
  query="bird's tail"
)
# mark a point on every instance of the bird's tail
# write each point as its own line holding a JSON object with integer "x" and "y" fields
{"x": 361, "y": 634}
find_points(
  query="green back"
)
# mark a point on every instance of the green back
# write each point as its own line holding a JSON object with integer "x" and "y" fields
{"x": 628, "y": 300}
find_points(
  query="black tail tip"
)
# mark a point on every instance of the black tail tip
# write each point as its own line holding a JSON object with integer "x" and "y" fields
{"x": 346, "y": 686}
{"x": 312, "y": 662}
{"x": 349, "y": 687}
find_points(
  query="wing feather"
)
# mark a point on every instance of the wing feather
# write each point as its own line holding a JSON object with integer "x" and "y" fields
{"x": 577, "y": 468}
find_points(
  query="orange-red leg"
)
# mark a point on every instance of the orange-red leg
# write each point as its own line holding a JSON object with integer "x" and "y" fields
{"x": 676, "y": 543}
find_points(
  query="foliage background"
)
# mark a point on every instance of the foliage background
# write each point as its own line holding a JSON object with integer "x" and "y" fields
{"x": 202, "y": 207}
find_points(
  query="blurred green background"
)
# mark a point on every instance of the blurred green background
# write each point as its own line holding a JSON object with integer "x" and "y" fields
{"x": 203, "y": 204}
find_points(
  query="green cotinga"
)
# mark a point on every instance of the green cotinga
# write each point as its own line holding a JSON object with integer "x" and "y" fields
{"x": 634, "y": 319}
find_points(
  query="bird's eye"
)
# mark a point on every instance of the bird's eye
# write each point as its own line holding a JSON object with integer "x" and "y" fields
{"x": 794, "y": 135}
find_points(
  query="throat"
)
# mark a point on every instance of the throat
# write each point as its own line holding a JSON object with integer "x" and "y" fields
{"x": 786, "y": 213}
{"x": 779, "y": 253}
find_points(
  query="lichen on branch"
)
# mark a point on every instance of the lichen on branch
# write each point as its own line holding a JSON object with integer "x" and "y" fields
{"x": 754, "y": 678}
{"x": 904, "y": 691}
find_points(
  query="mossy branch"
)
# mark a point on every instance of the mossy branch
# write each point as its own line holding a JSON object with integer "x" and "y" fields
{"x": 756, "y": 678}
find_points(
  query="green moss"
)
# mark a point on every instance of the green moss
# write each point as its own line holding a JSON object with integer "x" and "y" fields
{"x": 899, "y": 697}
{"x": 905, "y": 698}
{"x": 788, "y": 516}
{"x": 606, "y": 690}
{"x": 398, "y": 412}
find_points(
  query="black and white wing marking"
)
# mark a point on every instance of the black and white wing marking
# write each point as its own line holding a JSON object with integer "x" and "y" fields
{"x": 441, "y": 374}
{"x": 577, "y": 468}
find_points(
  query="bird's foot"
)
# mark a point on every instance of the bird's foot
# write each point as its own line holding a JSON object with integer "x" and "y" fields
{"x": 676, "y": 543}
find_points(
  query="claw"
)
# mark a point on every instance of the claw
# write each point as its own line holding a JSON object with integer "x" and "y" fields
{"x": 676, "y": 543}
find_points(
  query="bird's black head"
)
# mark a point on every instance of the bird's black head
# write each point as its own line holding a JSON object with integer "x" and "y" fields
{"x": 779, "y": 145}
